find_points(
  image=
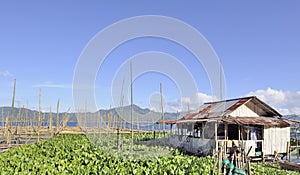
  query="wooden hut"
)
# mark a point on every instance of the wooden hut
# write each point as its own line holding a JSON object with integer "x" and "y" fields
{"x": 244, "y": 121}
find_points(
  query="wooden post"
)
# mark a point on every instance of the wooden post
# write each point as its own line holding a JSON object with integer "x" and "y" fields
{"x": 248, "y": 167}
{"x": 288, "y": 156}
{"x": 212, "y": 172}
{"x": 296, "y": 140}
{"x": 216, "y": 135}
{"x": 220, "y": 160}
{"x": 224, "y": 156}
{"x": 287, "y": 151}
{"x": 239, "y": 127}
{"x": 203, "y": 130}
{"x": 226, "y": 137}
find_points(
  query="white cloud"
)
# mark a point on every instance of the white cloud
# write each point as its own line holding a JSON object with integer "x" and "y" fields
{"x": 6, "y": 74}
{"x": 286, "y": 102}
{"x": 193, "y": 102}
{"x": 49, "y": 84}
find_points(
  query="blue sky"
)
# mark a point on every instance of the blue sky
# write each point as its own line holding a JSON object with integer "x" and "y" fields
{"x": 257, "y": 43}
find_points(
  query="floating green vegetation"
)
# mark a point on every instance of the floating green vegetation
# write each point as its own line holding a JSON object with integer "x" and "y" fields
{"x": 75, "y": 154}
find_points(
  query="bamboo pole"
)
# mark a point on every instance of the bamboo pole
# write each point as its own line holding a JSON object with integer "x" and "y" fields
{"x": 124, "y": 122}
{"x": 152, "y": 125}
{"x": 50, "y": 122}
{"x": 99, "y": 124}
{"x": 85, "y": 117}
{"x": 18, "y": 123}
{"x": 113, "y": 125}
{"x": 39, "y": 115}
{"x": 109, "y": 120}
{"x": 7, "y": 131}
{"x": 119, "y": 122}
{"x": 23, "y": 119}
{"x": 221, "y": 95}
{"x": 12, "y": 116}
{"x": 18, "y": 118}
{"x": 131, "y": 106}
{"x": 3, "y": 121}
{"x": 65, "y": 119}
{"x": 57, "y": 117}
{"x": 26, "y": 114}
{"x": 2, "y": 117}
{"x": 162, "y": 110}
{"x": 122, "y": 107}
{"x": 137, "y": 123}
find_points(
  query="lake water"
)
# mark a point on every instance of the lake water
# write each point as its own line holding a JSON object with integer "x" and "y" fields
{"x": 36, "y": 124}
{"x": 146, "y": 127}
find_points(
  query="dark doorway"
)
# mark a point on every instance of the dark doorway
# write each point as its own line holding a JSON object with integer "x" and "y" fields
{"x": 233, "y": 132}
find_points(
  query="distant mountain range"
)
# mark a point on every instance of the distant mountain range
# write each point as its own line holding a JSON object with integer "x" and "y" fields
{"x": 141, "y": 114}
{"x": 292, "y": 117}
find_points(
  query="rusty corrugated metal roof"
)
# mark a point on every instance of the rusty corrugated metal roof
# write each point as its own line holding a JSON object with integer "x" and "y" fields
{"x": 238, "y": 104}
{"x": 221, "y": 110}
{"x": 188, "y": 116}
{"x": 204, "y": 110}
{"x": 167, "y": 122}
{"x": 269, "y": 121}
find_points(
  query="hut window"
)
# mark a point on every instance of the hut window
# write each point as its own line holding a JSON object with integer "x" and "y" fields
{"x": 221, "y": 131}
{"x": 197, "y": 129}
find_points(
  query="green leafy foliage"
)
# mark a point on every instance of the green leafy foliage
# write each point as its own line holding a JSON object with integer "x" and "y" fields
{"x": 75, "y": 154}
{"x": 264, "y": 169}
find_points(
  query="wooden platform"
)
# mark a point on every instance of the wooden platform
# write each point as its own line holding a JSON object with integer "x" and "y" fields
{"x": 289, "y": 166}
